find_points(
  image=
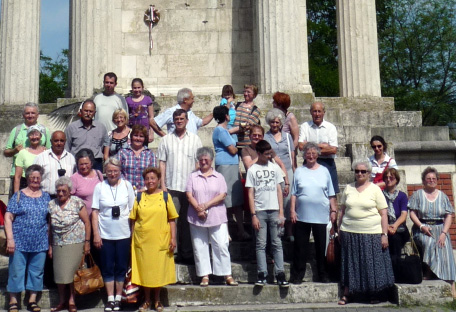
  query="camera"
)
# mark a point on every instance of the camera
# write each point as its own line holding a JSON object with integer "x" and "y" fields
{"x": 61, "y": 172}
{"x": 115, "y": 211}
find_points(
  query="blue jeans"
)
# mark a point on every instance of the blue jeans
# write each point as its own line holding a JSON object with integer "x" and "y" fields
{"x": 268, "y": 223}
{"x": 114, "y": 259}
{"x": 21, "y": 262}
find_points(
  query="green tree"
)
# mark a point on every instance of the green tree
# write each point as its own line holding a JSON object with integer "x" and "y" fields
{"x": 53, "y": 77}
{"x": 417, "y": 46}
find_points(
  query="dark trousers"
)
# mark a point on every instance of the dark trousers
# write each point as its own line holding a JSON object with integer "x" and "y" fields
{"x": 184, "y": 240}
{"x": 301, "y": 248}
{"x": 115, "y": 257}
{"x": 396, "y": 243}
{"x": 330, "y": 164}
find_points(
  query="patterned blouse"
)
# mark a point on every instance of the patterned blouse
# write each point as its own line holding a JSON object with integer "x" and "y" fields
{"x": 132, "y": 166}
{"x": 30, "y": 221}
{"x": 66, "y": 225}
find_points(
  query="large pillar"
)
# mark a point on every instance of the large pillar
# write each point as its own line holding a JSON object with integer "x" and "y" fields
{"x": 19, "y": 51}
{"x": 94, "y": 25}
{"x": 281, "y": 46}
{"x": 359, "y": 71}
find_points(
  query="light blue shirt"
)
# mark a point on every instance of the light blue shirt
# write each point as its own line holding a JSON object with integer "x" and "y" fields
{"x": 221, "y": 139}
{"x": 312, "y": 189}
{"x": 166, "y": 118}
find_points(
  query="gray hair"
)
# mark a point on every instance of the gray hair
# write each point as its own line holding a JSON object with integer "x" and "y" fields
{"x": 112, "y": 161}
{"x": 62, "y": 181}
{"x": 205, "y": 151}
{"x": 183, "y": 94}
{"x": 33, "y": 168}
{"x": 31, "y": 104}
{"x": 309, "y": 146}
{"x": 365, "y": 163}
{"x": 273, "y": 114}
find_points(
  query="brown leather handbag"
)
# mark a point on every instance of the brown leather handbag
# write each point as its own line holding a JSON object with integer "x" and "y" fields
{"x": 87, "y": 278}
{"x": 333, "y": 250}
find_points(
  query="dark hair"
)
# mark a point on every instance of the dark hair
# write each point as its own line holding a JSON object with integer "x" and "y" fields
{"x": 137, "y": 80}
{"x": 110, "y": 75}
{"x": 86, "y": 102}
{"x": 140, "y": 129}
{"x": 84, "y": 152}
{"x": 393, "y": 172}
{"x": 227, "y": 90}
{"x": 427, "y": 171}
{"x": 282, "y": 100}
{"x": 381, "y": 140}
{"x": 33, "y": 168}
{"x": 262, "y": 146}
{"x": 252, "y": 127}
{"x": 220, "y": 113}
{"x": 179, "y": 112}
{"x": 152, "y": 169}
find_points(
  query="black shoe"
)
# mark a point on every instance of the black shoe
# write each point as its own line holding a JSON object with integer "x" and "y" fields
{"x": 261, "y": 281}
{"x": 109, "y": 306}
{"x": 296, "y": 280}
{"x": 281, "y": 281}
{"x": 117, "y": 306}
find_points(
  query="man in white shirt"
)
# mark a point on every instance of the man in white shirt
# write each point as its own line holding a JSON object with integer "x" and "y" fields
{"x": 177, "y": 155}
{"x": 324, "y": 134}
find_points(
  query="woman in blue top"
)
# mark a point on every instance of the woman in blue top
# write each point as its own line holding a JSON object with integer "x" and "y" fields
{"x": 313, "y": 206}
{"x": 227, "y": 163}
{"x": 26, "y": 230}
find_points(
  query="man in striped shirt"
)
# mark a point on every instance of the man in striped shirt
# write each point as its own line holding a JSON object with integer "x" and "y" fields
{"x": 177, "y": 156}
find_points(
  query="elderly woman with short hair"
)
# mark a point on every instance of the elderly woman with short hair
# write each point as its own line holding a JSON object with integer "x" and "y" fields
{"x": 26, "y": 229}
{"x": 366, "y": 263}
{"x": 120, "y": 136}
{"x": 313, "y": 206}
{"x": 206, "y": 191}
{"x": 69, "y": 239}
{"x": 112, "y": 201}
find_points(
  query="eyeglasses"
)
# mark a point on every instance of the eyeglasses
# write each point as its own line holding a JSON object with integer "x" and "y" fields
{"x": 391, "y": 178}
{"x": 431, "y": 179}
{"x": 376, "y": 146}
{"x": 113, "y": 171}
{"x": 360, "y": 171}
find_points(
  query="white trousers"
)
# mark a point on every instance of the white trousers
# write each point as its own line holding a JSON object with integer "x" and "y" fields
{"x": 217, "y": 237}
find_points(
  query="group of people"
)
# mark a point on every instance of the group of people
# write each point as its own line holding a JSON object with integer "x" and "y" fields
{"x": 174, "y": 205}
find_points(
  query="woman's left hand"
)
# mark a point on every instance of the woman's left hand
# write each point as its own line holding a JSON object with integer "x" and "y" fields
{"x": 202, "y": 215}
{"x": 86, "y": 248}
{"x": 384, "y": 241}
{"x": 392, "y": 229}
{"x": 172, "y": 244}
{"x": 286, "y": 190}
{"x": 441, "y": 241}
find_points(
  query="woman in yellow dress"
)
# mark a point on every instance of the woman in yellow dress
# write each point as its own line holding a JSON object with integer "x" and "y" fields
{"x": 153, "y": 239}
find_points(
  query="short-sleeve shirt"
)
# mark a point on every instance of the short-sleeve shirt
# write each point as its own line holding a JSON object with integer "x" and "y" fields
{"x": 180, "y": 158}
{"x": 139, "y": 111}
{"x": 264, "y": 180}
{"x": 51, "y": 164}
{"x": 430, "y": 210}
{"x": 133, "y": 166}
{"x": 25, "y": 159}
{"x": 362, "y": 209}
{"x": 325, "y": 133}
{"x": 93, "y": 138}
{"x": 204, "y": 189}
{"x": 104, "y": 198}
{"x": 249, "y": 116}
{"x": 283, "y": 148}
{"x": 66, "y": 225}
{"x": 106, "y": 106}
{"x": 83, "y": 188}
{"x": 312, "y": 189}
{"x": 166, "y": 118}
{"x": 30, "y": 228}
{"x": 221, "y": 139}
{"x": 22, "y": 138}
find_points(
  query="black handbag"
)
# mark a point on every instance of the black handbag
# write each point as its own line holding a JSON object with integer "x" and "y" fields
{"x": 410, "y": 269}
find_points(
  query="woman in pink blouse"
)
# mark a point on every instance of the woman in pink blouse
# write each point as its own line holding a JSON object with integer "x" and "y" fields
{"x": 206, "y": 191}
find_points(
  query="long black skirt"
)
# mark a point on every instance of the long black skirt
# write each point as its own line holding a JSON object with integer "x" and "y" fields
{"x": 365, "y": 266}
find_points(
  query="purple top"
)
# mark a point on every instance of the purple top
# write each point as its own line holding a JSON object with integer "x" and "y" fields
{"x": 139, "y": 111}
{"x": 204, "y": 189}
{"x": 133, "y": 167}
{"x": 400, "y": 204}
{"x": 286, "y": 125}
{"x": 83, "y": 188}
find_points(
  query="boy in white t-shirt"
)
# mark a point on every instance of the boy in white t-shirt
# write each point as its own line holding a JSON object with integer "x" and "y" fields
{"x": 266, "y": 206}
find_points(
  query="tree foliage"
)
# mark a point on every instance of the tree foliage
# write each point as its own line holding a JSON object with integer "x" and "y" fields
{"x": 53, "y": 77}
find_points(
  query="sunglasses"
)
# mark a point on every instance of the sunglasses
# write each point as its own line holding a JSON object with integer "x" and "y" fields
{"x": 360, "y": 171}
{"x": 376, "y": 146}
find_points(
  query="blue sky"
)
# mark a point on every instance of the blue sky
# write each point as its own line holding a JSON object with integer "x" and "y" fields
{"x": 54, "y": 26}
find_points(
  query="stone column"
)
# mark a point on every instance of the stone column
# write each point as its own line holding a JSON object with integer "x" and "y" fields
{"x": 93, "y": 25}
{"x": 19, "y": 51}
{"x": 281, "y": 46}
{"x": 359, "y": 71}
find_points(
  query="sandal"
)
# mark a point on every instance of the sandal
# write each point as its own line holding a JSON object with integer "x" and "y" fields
{"x": 145, "y": 306}
{"x": 72, "y": 308}
{"x": 12, "y": 307}
{"x": 230, "y": 281}
{"x": 59, "y": 307}
{"x": 343, "y": 300}
{"x": 159, "y": 306}
{"x": 204, "y": 281}
{"x": 33, "y": 307}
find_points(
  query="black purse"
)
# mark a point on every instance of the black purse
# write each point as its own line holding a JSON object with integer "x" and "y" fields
{"x": 410, "y": 264}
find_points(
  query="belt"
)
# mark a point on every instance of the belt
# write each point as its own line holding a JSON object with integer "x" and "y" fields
{"x": 431, "y": 222}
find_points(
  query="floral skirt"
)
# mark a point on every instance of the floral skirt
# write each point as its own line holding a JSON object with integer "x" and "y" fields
{"x": 365, "y": 266}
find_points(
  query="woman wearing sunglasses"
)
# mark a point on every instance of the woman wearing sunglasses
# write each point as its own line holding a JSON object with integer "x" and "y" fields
{"x": 380, "y": 160}
{"x": 365, "y": 260}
